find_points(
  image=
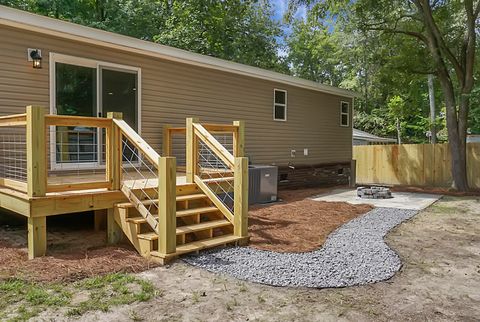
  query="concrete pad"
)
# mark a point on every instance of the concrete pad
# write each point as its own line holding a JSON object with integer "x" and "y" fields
{"x": 400, "y": 200}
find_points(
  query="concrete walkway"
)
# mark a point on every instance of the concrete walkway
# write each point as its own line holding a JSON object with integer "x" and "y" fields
{"x": 400, "y": 200}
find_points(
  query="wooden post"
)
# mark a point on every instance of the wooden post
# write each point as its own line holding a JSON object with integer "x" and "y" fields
{"x": 353, "y": 173}
{"x": 167, "y": 141}
{"x": 241, "y": 197}
{"x": 37, "y": 236}
{"x": 99, "y": 219}
{"x": 167, "y": 206}
{"x": 114, "y": 231}
{"x": 36, "y": 152}
{"x": 114, "y": 152}
{"x": 191, "y": 153}
{"x": 239, "y": 139}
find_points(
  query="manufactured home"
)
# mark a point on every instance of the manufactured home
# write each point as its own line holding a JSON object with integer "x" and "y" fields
{"x": 91, "y": 120}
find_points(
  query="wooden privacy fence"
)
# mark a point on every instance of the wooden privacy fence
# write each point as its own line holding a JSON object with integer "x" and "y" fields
{"x": 412, "y": 164}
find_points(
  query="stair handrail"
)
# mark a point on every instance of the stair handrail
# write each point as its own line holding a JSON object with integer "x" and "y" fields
{"x": 138, "y": 141}
{"x": 235, "y": 163}
{"x": 214, "y": 145}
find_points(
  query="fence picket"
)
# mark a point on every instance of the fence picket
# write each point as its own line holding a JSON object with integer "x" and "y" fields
{"x": 413, "y": 164}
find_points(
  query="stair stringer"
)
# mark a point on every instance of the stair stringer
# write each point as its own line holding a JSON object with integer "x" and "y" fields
{"x": 143, "y": 247}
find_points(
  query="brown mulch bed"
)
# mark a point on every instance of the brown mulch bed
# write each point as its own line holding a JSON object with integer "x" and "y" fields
{"x": 71, "y": 266}
{"x": 298, "y": 224}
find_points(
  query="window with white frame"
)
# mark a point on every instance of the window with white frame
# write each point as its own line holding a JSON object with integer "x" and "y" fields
{"x": 279, "y": 105}
{"x": 344, "y": 113}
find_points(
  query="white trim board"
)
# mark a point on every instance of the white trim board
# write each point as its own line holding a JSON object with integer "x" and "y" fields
{"x": 54, "y": 27}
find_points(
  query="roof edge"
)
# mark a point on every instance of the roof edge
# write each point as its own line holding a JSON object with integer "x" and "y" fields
{"x": 63, "y": 29}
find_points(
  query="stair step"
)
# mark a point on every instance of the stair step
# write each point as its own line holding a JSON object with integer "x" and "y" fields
{"x": 182, "y": 213}
{"x": 194, "y": 211}
{"x": 196, "y": 196}
{"x": 139, "y": 220}
{"x": 217, "y": 180}
{"x": 189, "y": 228}
{"x": 202, "y": 226}
{"x": 201, "y": 244}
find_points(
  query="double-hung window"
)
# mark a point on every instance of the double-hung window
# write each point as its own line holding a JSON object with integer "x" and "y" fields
{"x": 344, "y": 114}
{"x": 279, "y": 105}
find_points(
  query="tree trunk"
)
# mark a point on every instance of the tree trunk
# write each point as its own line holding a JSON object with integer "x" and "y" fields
{"x": 431, "y": 95}
{"x": 456, "y": 135}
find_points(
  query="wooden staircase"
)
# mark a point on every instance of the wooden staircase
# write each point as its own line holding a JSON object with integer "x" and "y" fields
{"x": 199, "y": 223}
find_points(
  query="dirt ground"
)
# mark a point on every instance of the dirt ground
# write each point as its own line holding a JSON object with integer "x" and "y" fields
{"x": 298, "y": 224}
{"x": 440, "y": 278}
{"x": 439, "y": 281}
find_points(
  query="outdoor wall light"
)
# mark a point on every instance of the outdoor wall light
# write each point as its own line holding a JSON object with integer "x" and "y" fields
{"x": 35, "y": 56}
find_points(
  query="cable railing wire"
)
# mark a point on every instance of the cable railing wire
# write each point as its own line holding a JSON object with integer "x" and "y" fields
{"x": 13, "y": 154}
{"x": 140, "y": 175}
{"x": 219, "y": 175}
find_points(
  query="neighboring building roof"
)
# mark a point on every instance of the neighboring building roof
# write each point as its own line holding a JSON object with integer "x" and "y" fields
{"x": 473, "y": 138}
{"x": 36, "y": 23}
{"x": 365, "y": 136}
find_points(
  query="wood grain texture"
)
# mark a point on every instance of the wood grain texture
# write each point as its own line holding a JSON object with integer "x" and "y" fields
{"x": 413, "y": 164}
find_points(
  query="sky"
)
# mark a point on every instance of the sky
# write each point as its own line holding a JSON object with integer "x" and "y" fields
{"x": 280, "y": 7}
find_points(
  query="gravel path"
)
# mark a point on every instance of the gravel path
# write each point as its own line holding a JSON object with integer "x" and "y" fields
{"x": 354, "y": 254}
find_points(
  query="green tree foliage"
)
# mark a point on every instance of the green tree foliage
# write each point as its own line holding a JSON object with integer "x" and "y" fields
{"x": 240, "y": 31}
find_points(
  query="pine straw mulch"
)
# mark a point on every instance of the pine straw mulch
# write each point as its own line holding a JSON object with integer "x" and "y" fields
{"x": 299, "y": 224}
{"x": 69, "y": 266}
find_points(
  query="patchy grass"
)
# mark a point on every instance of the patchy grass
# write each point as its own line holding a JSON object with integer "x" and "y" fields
{"x": 21, "y": 300}
{"x": 444, "y": 208}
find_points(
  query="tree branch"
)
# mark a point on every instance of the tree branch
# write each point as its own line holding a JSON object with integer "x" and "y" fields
{"x": 417, "y": 35}
{"x": 426, "y": 10}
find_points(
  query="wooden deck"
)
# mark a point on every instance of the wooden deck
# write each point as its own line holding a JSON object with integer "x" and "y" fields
{"x": 179, "y": 212}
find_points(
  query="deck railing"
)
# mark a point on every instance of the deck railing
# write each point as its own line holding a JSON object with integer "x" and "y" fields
{"x": 35, "y": 142}
{"x": 221, "y": 174}
{"x": 13, "y": 151}
{"x": 74, "y": 159}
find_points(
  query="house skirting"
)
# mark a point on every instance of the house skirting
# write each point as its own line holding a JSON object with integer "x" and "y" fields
{"x": 315, "y": 175}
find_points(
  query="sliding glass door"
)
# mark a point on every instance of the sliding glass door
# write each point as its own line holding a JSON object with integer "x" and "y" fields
{"x": 88, "y": 88}
{"x": 76, "y": 95}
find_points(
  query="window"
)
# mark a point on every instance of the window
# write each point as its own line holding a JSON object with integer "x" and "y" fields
{"x": 344, "y": 113}
{"x": 279, "y": 105}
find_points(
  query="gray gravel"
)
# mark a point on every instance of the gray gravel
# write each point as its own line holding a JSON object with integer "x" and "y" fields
{"x": 354, "y": 254}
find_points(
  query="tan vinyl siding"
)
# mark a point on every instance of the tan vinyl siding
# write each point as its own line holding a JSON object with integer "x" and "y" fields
{"x": 173, "y": 91}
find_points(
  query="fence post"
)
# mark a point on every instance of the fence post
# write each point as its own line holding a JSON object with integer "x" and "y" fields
{"x": 240, "y": 207}
{"x": 167, "y": 206}
{"x": 114, "y": 152}
{"x": 239, "y": 139}
{"x": 167, "y": 141}
{"x": 36, "y": 152}
{"x": 36, "y": 177}
{"x": 191, "y": 153}
{"x": 353, "y": 173}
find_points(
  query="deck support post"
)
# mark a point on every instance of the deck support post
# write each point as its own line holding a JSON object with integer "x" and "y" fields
{"x": 191, "y": 153}
{"x": 167, "y": 205}
{"x": 240, "y": 218}
{"x": 36, "y": 177}
{"x": 239, "y": 139}
{"x": 99, "y": 219}
{"x": 114, "y": 152}
{"x": 167, "y": 141}
{"x": 36, "y": 152}
{"x": 114, "y": 231}
{"x": 37, "y": 237}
